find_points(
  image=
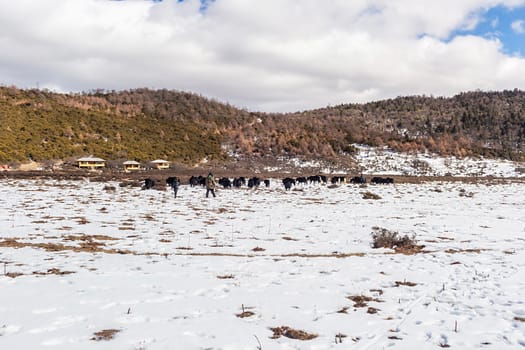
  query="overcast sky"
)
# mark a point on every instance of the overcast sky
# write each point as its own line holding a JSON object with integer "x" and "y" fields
{"x": 266, "y": 55}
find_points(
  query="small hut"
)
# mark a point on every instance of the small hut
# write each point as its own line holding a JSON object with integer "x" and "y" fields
{"x": 131, "y": 165}
{"x": 160, "y": 164}
{"x": 91, "y": 162}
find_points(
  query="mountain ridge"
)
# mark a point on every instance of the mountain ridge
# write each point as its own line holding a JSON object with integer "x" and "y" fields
{"x": 187, "y": 128}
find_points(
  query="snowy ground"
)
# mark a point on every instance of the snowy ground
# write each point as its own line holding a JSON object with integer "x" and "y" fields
{"x": 374, "y": 160}
{"x": 165, "y": 273}
{"x": 384, "y": 161}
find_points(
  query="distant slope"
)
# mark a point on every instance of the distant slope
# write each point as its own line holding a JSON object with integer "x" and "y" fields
{"x": 146, "y": 124}
{"x": 40, "y": 125}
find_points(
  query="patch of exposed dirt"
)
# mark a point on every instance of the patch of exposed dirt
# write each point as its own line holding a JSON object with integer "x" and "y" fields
{"x": 370, "y": 195}
{"x": 456, "y": 251}
{"x": 291, "y": 333}
{"x": 86, "y": 247}
{"x": 410, "y": 249}
{"x": 372, "y": 310}
{"x": 53, "y": 271}
{"x": 362, "y": 300}
{"x": 106, "y": 334}
{"x": 245, "y": 314}
{"x": 405, "y": 283}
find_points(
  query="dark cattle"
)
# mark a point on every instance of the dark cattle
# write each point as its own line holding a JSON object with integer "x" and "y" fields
{"x": 225, "y": 182}
{"x": 254, "y": 182}
{"x": 382, "y": 180}
{"x": 193, "y": 181}
{"x": 237, "y": 182}
{"x": 288, "y": 183}
{"x": 148, "y": 184}
{"x": 174, "y": 183}
{"x": 337, "y": 179}
{"x": 267, "y": 183}
{"x": 314, "y": 179}
{"x": 323, "y": 178}
{"x": 301, "y": 180}
{"x": 197, "y": 180}
{"x": 358, "y": 180}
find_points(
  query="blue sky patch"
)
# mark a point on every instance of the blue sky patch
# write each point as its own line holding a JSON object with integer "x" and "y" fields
{"x": 506, "y": 24}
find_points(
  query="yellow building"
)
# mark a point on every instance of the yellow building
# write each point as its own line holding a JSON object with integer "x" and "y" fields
{"x": 160, "y": 164}
{"x": 131, "y": 165}
{"x": 91, "y": 162}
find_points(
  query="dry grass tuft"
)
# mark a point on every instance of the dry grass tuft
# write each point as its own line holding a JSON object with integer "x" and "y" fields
{"x": 291, "y": 333}
{"x": 53, "y": 271}
{"x": 339, "y": 338}
{"x": 405, "y": 283}
{"x": 106, "y": 334}
{"x": 445, "y": 238}
{"x": 372, "y": 310}
{"x": 329, "y": 255}
{"x": 148, "y": 217}
{"x": 463, "y": 193}
{"x": 89, "y": 238}
{"x": 370, "y": 195}
{"x": 394, "y": 337}
{"x": 245, "y": 314}
{"x": 409, "y": 250}
{"x": 383, "y": 238}
{"x": 14, "y": 274}
{"x": 456, "y": 251}
{"x": 86, "y": 247}
{"x": 362, "y": 300}
{"x": 344, "y": 310}
{"x": 82, "y": 220}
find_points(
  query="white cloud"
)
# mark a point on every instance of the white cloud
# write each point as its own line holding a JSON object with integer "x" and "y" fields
{"x": 494, "y": 23}
{"x": 271, "y": 55}
{"x": 518, "y": 26}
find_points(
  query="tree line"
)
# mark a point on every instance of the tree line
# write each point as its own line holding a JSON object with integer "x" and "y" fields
{"x": 185, "y": 127}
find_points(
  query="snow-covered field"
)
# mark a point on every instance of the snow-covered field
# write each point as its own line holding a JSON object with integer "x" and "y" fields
{"x": 384, "y": 161}
{"x": 374, "y": 160}
{"x": 85, "y": 267}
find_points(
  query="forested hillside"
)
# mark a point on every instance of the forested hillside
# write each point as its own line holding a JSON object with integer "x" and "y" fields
{"x": 184, "y": 127}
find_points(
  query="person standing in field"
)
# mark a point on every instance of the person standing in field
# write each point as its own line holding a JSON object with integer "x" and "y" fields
{"x": 175, "y": 185}
{"x": 210, "y": 185}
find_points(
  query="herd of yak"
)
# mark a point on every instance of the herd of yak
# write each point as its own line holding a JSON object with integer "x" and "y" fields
{"x": 255, "y": 182}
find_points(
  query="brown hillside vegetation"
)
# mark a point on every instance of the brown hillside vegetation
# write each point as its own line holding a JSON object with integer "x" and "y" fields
{"x": 145, "y": 124}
